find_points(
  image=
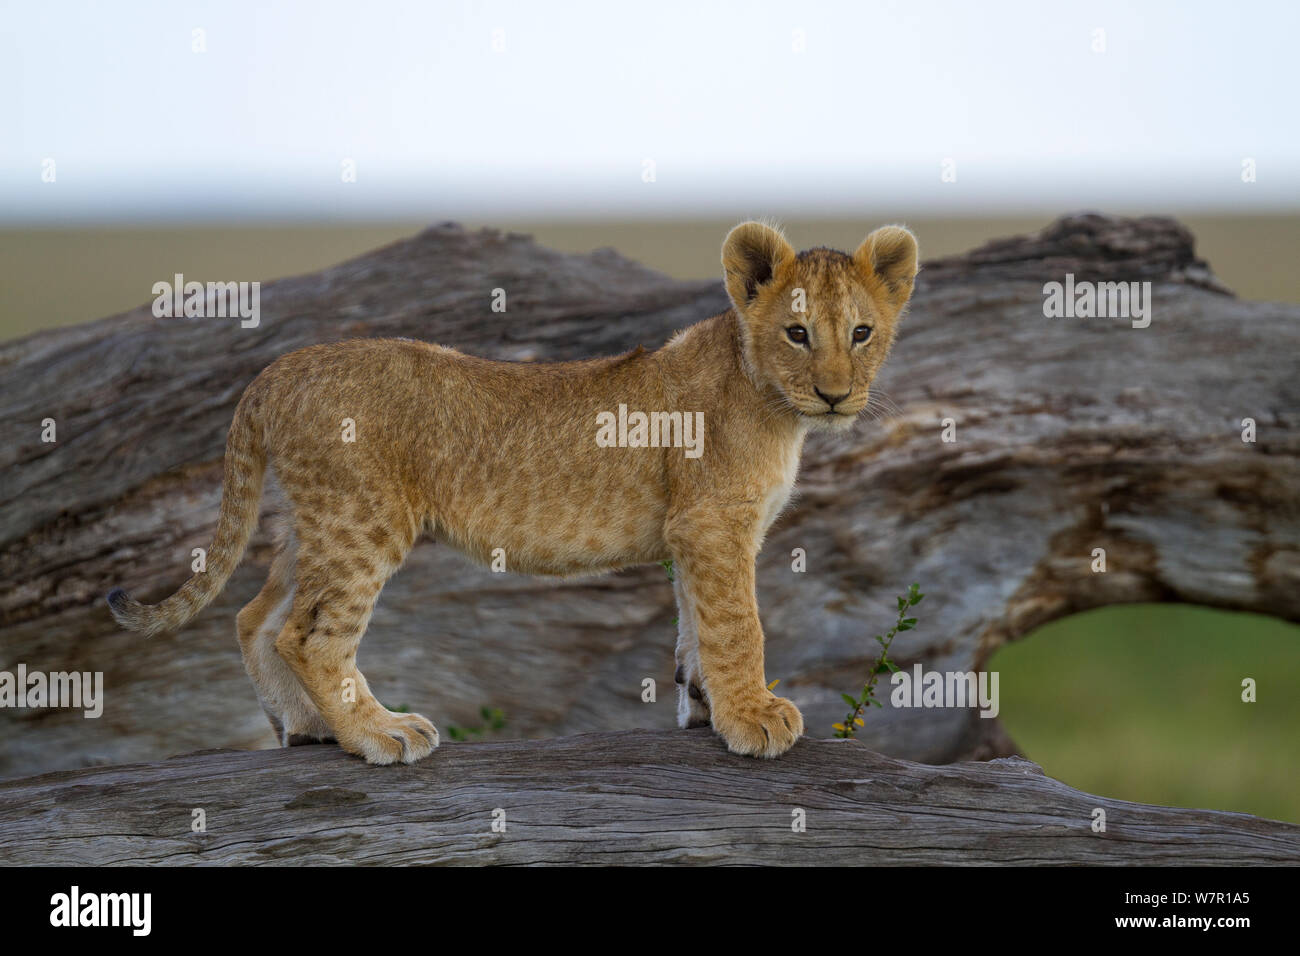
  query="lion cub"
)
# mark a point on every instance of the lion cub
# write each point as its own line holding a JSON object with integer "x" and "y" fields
{"x": 521, "y": 457}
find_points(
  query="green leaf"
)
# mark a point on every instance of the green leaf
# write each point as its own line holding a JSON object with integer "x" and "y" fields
{"x": 892, "y": 666}
{"x": 876, "y": 702}
{"x": 850, "y": 701}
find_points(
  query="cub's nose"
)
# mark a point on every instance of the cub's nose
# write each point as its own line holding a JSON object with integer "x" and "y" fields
{"x": 831, "y": 400}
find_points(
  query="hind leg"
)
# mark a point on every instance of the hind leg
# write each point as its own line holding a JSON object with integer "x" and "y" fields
{"x": 293, "y": 716}
{"x": 331, "y": 608}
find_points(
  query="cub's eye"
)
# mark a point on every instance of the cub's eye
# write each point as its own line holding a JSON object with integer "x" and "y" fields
{"x": 797, "y": 334}
{"x": 862, "y": 333}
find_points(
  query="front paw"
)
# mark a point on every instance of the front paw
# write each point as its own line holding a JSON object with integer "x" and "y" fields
{"x": 764, "y": 726}
{"x": 692, "y": 705}
{"x": 384, "y": 737}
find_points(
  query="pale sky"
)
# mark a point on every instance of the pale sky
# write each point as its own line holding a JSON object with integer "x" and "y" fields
{"x": 474, "y": 110}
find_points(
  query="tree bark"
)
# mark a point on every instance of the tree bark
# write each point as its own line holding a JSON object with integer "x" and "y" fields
{"x": 631, "y": 797}
{"x": 1070, "y": 435}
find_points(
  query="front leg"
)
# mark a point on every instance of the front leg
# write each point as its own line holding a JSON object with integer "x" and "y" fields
{"x": 692, "y": 705}
{"x": 713, "y": 556}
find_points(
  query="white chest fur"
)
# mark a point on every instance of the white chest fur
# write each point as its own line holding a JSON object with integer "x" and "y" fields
{"x": 778, "y": 495}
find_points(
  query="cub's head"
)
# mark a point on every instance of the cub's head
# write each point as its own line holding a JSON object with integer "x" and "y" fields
{"x": 818, "y": 324}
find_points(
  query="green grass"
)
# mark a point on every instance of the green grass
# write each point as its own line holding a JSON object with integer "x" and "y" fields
{"x": 1144, "y": 703}
{"x": 62, "y": 275}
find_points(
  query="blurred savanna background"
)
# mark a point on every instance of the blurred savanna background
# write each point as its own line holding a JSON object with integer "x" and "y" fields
{"x": 240, "y": 142}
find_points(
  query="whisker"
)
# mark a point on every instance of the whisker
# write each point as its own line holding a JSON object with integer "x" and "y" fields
{"x": 883, "y": 399}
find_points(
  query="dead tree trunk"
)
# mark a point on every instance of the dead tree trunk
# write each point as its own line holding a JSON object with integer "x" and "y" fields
{"x": 633, "y": 797}
{"x": 1070, "y": 435}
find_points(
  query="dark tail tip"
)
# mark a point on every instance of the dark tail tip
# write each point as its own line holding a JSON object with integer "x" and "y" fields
{"x": 117, "y": 600}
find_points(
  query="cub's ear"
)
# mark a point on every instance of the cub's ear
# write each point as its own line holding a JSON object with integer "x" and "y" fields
{"x": 750, "y": 256}
{"x": 888, "y": 258}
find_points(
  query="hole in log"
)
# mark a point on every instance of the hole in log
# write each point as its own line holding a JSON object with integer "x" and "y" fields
{"x": 1144, "y": 702}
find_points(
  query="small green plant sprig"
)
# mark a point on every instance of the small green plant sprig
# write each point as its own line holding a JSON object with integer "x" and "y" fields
{"x": 493, "y": 719}
{"x": 883, "y": 665}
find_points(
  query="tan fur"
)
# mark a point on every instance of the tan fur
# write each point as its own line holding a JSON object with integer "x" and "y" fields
{"x": 491, "y": 455}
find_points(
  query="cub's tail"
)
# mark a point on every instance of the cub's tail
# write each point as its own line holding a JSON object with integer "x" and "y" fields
{"x": 241, "y": 493}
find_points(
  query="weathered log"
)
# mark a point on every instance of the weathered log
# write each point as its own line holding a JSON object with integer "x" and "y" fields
{"x": 1071, "y": 435}
{"x": 616, "y": 798}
